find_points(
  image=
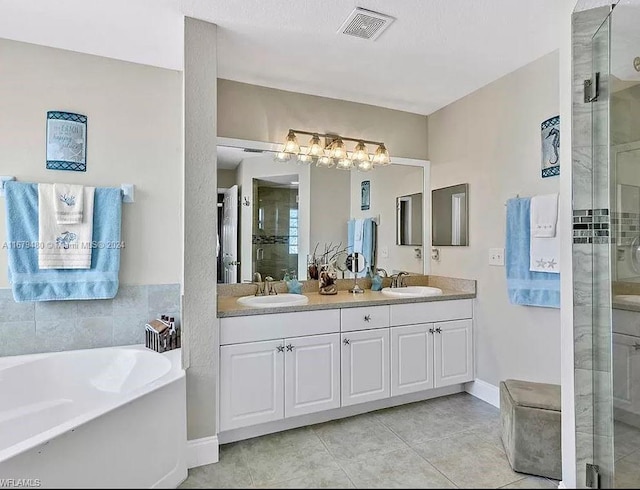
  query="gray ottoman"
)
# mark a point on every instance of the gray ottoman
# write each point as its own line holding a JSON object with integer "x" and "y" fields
{"x": 530, "y": 417}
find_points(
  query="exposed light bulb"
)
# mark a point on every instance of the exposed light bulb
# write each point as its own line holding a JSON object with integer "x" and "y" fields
{"x": 291, "y": 144}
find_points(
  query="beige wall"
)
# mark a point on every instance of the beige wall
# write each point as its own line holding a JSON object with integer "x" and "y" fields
{"x": 330, "y": 201}
{"x": 226, "y": 178}
{"x": 257, "y": 113}
{"x": 491, "y": 139}
{"x": 134, "y": 135}
{"x": 387, "y": 183}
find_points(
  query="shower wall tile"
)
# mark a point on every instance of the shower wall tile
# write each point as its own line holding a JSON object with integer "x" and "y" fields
{"x": 582, "y": 178}
{"x": 51, "y": 326}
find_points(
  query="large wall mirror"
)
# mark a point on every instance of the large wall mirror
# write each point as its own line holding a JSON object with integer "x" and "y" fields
{"x": 273, "y": 215}
{"x": 450, "y": 216}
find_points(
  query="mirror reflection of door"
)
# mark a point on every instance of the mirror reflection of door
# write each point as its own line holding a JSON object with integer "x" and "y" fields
{"x": 230, "y": 235}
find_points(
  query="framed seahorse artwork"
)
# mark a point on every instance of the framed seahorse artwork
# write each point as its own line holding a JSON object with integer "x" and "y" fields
{"x": 551, "y": 147}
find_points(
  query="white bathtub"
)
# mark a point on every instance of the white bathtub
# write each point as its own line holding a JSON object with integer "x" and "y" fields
{"x": 113, "y": 417}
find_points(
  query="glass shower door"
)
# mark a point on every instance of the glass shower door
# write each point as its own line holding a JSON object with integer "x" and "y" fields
{"x": 624, "y": 139}
{"x": 616, "y": 264}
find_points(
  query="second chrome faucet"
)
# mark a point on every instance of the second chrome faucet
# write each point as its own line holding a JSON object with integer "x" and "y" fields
{"x": 265, "y": 288}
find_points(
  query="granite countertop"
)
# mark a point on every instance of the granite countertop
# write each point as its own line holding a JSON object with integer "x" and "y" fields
{"x": 229, "y": 307}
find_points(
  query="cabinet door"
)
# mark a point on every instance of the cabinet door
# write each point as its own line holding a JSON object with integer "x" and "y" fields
{"x": 365, "y": 366}
{"x": 453, "y": 352}
{"x": 626, "y": 373}
{"x": 312, "y": 374}
{"x": 251, "y": 383}
{"x": 411, "y": 358}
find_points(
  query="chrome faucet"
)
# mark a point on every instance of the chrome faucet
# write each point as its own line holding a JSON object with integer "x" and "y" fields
{"x": 397, "y": 280}
{"x": 257, "y": 280}
{"x": 382, "y": 272}
{"x": 269, "y": 287}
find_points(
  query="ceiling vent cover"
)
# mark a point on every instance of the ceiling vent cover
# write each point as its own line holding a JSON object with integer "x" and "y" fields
{"x": 365, "y": 24}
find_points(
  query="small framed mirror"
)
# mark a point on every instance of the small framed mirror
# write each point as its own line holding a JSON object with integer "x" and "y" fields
{"x": 409, "y": 219}
{"x": 450, "y": 216}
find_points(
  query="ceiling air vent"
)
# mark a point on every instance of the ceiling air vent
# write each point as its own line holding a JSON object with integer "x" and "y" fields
{"x": 365, "y": 24}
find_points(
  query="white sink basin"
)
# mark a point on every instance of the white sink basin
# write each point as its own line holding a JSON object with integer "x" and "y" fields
{"x": 411, "y": 292}
{"x": 273, "y": 301}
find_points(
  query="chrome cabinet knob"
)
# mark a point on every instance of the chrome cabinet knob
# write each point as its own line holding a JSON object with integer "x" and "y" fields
{"x": 431, "y": 330}
{"x": 290, "y": 348}
{"x": 280, "y": 348}
{"x": 346, "y": 341}
{"x": 438, "y": 330}
{"x": 636, "y": 346}
{"x": 367, "y": 318}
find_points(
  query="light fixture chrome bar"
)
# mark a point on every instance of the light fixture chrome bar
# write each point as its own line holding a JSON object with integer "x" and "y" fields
{"x": 336, "y": 136}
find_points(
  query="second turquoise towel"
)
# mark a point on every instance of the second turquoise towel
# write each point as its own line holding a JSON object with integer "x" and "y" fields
{"x": 526, "y": 287}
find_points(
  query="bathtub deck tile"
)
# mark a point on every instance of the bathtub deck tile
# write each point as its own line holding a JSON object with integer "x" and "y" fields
{"x": 131, "y": 301}
{"x": 56, "y": 310}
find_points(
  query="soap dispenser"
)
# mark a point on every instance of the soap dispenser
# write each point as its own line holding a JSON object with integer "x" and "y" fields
{"x": 376, "y": 280}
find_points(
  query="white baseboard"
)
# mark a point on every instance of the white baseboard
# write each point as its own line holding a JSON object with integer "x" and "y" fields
{"x": 202, "y": 451}
{"x": 485, "y": 391}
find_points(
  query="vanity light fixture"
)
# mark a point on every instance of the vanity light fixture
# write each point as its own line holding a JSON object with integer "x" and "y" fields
{"x": 334, "y": 152}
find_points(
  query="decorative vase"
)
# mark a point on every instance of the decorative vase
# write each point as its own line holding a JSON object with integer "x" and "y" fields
{"x": 328, "y": 278}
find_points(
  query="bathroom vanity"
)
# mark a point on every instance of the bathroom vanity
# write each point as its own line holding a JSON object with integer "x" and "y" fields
{"x": 337, "y": 356}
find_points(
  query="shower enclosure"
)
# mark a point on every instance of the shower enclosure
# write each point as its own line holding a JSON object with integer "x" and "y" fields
{"x": 606, "y": 249}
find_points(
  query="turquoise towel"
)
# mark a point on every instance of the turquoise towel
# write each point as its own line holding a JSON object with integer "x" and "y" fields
{"x": 526, "y": 287}
{"x": 28, "y": 282}
{"x": 368, "y": 241}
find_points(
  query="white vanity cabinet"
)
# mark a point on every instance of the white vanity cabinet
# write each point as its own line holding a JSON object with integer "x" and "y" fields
{"x": 312, "y": 374}
{"x": 427, "y": 351}
{"x": 412, "y": 358}
{"x": 276, "y": 367}
{"x": 269, "y": 380}
{"x": 453, "y": 352}
{"x": 365, "y": 366}
{"x": 251, "y": 383}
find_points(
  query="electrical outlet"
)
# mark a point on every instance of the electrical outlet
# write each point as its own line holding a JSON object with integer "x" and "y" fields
{"x": 384, "y": 252}
{"x": 496, "y": 256}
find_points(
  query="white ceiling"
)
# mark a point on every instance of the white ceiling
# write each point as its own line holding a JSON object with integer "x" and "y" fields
{"x": 230, "y": 157}
{"x": 434, "y": 53}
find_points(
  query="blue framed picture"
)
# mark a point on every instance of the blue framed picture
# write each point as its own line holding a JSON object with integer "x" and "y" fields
{"x": 66, "y": 141}
{"x": 551, "y": 147}
{"x": 365, "y": 192}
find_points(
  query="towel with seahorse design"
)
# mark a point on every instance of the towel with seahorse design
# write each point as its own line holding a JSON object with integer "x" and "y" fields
{"x": 68, "y": 203}
{"x": 64, "y": 246}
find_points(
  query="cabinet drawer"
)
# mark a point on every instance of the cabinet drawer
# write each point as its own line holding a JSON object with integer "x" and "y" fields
{"x": 254, "y": 328}
{"x": 435, "y": 311}
{"x": 364, "y": 318}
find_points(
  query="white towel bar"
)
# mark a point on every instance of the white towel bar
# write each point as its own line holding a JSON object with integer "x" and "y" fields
{"x": 128, "y": 190}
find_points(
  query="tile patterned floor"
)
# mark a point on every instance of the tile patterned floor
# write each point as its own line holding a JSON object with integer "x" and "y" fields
{"x": 449, "y": 442}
